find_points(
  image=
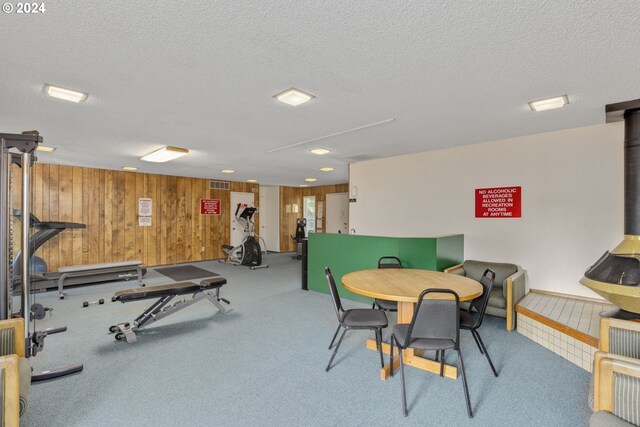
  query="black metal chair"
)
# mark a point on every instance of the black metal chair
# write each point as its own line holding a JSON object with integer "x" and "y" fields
{"x": 471, "y": 319}
{"x": 358, "y": 318}
{"x": 435, "y": 326}
{"x": 387, "y": 262}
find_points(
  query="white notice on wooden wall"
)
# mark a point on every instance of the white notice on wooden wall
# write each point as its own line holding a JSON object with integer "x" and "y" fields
{"x": 144, "y": 221}
{"x": 144, "y": 207}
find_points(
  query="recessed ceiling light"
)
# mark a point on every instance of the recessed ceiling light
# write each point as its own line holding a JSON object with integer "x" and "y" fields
{"x": 326, "y": 169}
{"x": 549, "y": 103}
{"x": 310, "y": 179}
{"x": 129, "y": 168}
{"x": 66, "y": 94}
{"x": 252, "y": 180}
{"x": 303, "y": 185}
{"x": 165, "y": 154}
{"x": 294, "y": 97}
{"x": 227, "y": 171}
{"x": 45, "y": 149}
{"x": 320, "y": 151}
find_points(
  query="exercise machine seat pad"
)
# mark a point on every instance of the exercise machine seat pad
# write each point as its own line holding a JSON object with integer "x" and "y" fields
{"x": 171, "y": 289}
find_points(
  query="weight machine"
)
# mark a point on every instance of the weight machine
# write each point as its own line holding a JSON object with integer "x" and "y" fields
{"x": 18, "y": 149}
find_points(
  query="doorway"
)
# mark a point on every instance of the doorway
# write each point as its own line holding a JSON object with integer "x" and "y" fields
{"x": 245, "y": 200}
{"x": 309, "y": 212}
{"x": 337, "y": 216}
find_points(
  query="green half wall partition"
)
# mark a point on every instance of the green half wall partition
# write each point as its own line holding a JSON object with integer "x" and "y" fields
{"x": 344, "y": 253}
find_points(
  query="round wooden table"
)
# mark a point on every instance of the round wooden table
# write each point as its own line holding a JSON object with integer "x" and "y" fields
{"x": 404, "y": 285}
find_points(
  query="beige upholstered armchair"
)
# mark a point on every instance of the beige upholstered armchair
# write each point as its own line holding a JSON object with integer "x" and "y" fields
{"x": 508, "y": 288}
{"x": 16, "y": 370}
{"x": 617, "y": 387}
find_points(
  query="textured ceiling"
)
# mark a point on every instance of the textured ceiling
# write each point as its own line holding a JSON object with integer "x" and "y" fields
{"x": 201, "y": 75}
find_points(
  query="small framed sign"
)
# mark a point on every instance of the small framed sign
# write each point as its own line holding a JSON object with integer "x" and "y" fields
{"x": 499, "y": 202}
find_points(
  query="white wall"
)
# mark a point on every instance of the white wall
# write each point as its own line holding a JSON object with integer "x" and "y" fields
{"x": 572, "y": 200}
{"x": 270, "y": 216}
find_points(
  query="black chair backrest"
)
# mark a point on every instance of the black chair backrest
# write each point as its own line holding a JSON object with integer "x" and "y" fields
{"x": 480, "y": 304}
{"x": 334, "y": 293}
{"x": 436, "y": 318}
{"x": 389, "y": 262}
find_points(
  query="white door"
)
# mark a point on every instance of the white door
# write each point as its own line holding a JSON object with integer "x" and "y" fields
{"x": 337, "y": 215}
{"x": 270, "y": 217}
{"x": 245, "y": 200}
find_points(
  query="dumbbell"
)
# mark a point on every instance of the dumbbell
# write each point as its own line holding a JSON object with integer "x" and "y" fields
{"x": 88, "y": 303}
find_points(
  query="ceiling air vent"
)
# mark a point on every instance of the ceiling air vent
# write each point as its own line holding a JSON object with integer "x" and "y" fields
{"x": 359, "y": 158}
{"x": 219, "y": 185}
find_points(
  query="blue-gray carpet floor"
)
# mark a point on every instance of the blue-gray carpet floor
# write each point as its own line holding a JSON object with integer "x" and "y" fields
{"x": 263, "y": 365}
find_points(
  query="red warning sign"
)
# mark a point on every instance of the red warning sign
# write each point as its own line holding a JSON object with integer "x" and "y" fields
{"x": 209, "y": 206}
{"x": 500, "y": 202}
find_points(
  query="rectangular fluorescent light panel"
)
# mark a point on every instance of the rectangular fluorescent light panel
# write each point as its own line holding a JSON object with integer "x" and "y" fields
{"x": 45, "y": 149}
{"x": 549, "y": 103}
{"x": 66, "y": 94}
{"x": 294, "y": 97}
{"x": 165, "y": 154}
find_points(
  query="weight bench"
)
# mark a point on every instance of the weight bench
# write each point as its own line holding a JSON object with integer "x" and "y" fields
{"x": 206, "y": 289}
{"x": 127, "y": 269}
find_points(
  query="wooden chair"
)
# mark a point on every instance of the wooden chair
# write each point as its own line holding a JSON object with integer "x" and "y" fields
{"x": 10, "y": 390}
{"x": 620, "y": 337}
{"x": 16, "y": 370}
{"x": 617, "y": 387}
{"x": 617, "y": 336}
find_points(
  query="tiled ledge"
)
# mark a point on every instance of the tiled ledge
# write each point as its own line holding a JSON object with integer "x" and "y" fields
{"x": 566, "y": 325}
{"x": 573, "y": 350}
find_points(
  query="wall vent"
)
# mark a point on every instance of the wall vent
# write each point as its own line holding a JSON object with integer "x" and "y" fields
{"x": 219, "y": 185}
{"x": 359, "y": 158}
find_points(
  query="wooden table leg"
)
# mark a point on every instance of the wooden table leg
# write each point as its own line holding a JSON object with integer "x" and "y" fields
{"x": 410, "y": 356}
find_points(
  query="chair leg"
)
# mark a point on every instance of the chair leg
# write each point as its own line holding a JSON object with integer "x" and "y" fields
{"x": 464, "y": 384}
{"x": 391, "y": 343}
{"x": 442, "y": 363}
{"x": 334, "y": 336}
{"x": 476, "y": 340}
{"x": 404, "y": 389}
{"x": 379, "y": 343}
{"x": 486, "y": 353}
{"x": 336, "y": 350}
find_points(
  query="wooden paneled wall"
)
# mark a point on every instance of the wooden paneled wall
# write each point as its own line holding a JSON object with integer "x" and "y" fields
{"x": 294, "y": 195}
{"x": 107, "y": 202}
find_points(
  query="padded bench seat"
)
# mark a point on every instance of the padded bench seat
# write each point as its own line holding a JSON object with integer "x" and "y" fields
{"x": 207, "y": 289}
{"x": 101, "y": 266}
{"x": 171, "y": 289}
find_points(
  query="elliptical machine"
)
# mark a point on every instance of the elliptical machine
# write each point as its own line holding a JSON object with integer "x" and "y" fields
{"x": 249, "y": 252}
{"x": 301, "y": 224}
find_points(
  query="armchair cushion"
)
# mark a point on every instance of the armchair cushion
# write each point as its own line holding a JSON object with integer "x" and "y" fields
{"x": 496, "y": 299}
{"x": 475, "y": 270}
